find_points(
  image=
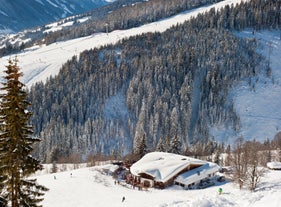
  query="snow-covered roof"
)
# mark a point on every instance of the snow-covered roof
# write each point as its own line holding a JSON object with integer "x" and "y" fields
{"x": 163, "y": 166}
{"x": 196, "y": 174}
{"x": 274, "y": 165}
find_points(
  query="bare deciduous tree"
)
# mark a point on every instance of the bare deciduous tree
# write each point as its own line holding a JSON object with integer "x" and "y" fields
{"x": 254, "y": 172}
{"x": 239, "y": 163}
{"x": 246, "y": 159}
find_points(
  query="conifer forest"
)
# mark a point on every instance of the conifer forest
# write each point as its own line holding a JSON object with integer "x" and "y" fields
{"x": 156, "y": 89}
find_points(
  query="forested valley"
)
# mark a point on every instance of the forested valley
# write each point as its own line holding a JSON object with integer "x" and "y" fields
{"x": 163, "y": 89}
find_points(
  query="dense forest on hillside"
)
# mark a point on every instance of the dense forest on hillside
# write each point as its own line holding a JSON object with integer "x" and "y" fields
{"x": 131, "y": 14}
{"x": 163, "y": 87}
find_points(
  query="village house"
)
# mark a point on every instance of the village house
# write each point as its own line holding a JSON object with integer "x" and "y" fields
{"x": 161, "y": 169}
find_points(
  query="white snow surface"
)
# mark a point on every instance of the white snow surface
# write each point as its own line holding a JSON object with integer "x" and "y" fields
{"x": 274, "y": 165}
{"x": 53, "y": 4}
{"x": 3, "y": 13}
{"x": 40, "y": 2}
{"x": 55, "y": 27}
{"x": 259, "y": 107}
{"x": 88, "y": 187}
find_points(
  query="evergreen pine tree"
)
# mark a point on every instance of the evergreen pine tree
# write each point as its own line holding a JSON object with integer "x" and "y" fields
{"x": 54, "y": 168}
{"x": 160, "y": 146}
{"x": 16, "y": 162}
{"x": 175, "y": 145}
{"x": 167, "y": 143}
{"x": 142, "y": 148}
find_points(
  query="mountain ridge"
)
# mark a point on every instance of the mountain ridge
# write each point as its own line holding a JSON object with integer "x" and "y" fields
{"x": 17, "y": 15}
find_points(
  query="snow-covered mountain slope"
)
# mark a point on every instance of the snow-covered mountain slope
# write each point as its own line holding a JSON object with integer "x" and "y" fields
{"x": 89, "y": 187}
{"x": 40, "y": 62}
{"x": 17, "y": 14}
{"x": 260, "y": 109}
{"x": 258, "y": 106}
{"x": 259, "y": 115}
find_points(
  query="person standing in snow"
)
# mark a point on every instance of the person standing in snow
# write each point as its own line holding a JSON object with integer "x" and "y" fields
{"x": 220, "y": 191}
{"x": 123, "y": 199}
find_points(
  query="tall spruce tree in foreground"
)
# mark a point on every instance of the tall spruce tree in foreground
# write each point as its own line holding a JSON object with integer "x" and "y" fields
{"x": 16, "y": 162}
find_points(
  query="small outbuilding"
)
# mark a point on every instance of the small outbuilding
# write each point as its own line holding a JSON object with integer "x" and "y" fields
{"x": 198, "y": 175}
{"x": 161, "y": 169}
{"x": 274, "y": 165}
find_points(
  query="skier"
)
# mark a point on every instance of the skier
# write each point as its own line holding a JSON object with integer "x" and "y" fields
{"x": 220, "y": 191}
{"x": 123, "y": 199}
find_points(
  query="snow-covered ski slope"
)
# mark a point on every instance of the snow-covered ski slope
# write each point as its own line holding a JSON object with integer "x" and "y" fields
{"x": 259, "y": 106}
{"x": 39, "y": 63}
{"x": 92, "y": 187}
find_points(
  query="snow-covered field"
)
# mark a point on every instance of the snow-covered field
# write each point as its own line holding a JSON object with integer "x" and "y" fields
{"x": 88, "y": 187}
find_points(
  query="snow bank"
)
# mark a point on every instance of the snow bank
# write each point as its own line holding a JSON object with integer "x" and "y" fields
{"x": 274, "y": 165}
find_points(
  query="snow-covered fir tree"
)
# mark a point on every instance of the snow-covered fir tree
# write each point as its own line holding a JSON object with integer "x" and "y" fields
{"x": 16, "y": 162}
